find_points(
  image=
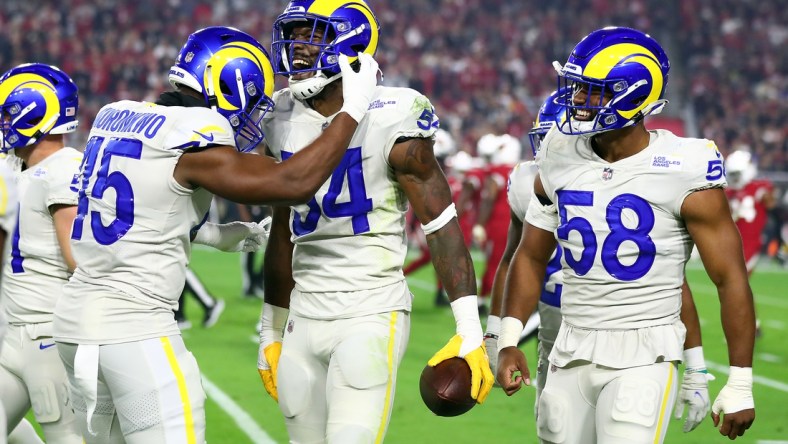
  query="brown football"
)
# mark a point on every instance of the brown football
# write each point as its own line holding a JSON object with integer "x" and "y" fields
{"x": 446, "y": 388}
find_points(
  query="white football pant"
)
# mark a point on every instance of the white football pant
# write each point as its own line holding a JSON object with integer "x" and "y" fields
{"x": 588, "y": 403}
{"x": 336, "y": 378}
{"x": 550, "y": 322}
{"x": 140, "y": 392}
{"x": 32, "y": 375}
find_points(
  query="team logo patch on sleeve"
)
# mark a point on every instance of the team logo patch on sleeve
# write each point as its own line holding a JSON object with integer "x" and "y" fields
{"x": 382, "y": 103}
{"x": 659, "y": 161}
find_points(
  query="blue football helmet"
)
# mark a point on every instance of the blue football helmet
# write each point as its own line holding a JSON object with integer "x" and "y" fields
{"x": 36, "y": 100}
{"x": 551, "y": 113}
{"x": 623, "y": 64}
{"x": 349, "y": 27}
{"x": 233, "y": 73}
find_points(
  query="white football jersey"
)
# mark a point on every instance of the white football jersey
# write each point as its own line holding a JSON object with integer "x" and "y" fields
{"x": 520, "y": 192}
{"x": 9, "y": 197}
{"x": 34, "y": 274}
{"x": 625, "y": 243}
{"x": 131, "y": 237}
{"x": 351, "y": 236}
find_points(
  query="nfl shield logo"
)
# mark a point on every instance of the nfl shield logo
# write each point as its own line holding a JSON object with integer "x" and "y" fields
{"x": 290, "y": 326}
{"x": 607, "y": 174}
{"x": 189, "y": 57}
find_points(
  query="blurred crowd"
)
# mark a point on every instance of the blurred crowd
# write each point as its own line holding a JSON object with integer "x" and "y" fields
{"x": 484, "y": 63}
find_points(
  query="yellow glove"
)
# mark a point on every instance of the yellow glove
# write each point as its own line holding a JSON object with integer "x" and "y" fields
{"x": 267, "y": 363}
{"x": 482, "y": 378}
{"x": 272, "y": 323}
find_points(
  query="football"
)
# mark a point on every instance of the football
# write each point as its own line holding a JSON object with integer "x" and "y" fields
{"x": 446, "y": 388}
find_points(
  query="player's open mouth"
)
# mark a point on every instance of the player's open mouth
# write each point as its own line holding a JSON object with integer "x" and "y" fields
{"x": 584, "y": 115}
{"x": 300, "y": 63}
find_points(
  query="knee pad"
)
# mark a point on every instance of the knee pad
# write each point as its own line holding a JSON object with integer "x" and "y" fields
{"x": 46, "y": 402}
{"x": 553, "y": 413}
{"x": 364, "y": 360}
{"x": 294, "y": 384}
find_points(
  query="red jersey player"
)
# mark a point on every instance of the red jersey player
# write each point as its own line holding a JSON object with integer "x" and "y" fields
{"x": 750, "y": 201}
{"x": 492, "y": 224}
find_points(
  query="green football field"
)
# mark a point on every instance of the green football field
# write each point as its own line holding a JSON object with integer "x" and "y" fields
{"x": 239, "y": 410}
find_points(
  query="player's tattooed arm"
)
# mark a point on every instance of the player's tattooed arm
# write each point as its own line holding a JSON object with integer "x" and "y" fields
{"x": 425, "y": 186}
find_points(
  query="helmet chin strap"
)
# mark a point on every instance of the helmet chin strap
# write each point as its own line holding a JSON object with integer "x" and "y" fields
{"x": 308, "y": 88}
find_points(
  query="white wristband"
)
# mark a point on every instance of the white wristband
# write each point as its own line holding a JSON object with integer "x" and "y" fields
{"x": 511, "y": 328}
{"x": 493, "y": 326}
{"x": 208, "y": 234}
{"x": 439, "y": 222}
{"x": 273, "y": 321}
{"x": 740, "y": 377}
{"x": 469, "y": 327}
{"x": 224, "y": 237}
{"x": 693, "y": 359}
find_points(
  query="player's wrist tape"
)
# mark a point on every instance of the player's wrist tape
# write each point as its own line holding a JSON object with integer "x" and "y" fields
{"x": 694, "y": 361}
{"x": 273, "y": 321}
{"x": 466, "y": 315}
{"x": 355, "y": 109}
{"x": 493, "y": 329}
{"x": 208, "y": 234}
{"x": 224, "y": 237}
{"x": 439, "y": 222}
{"x": 740, "y": 378}
{"x": 511, "y": 328}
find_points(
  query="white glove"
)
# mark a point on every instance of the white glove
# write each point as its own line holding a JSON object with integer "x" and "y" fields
{"x": 235, "y": 236}
{"x": 358, "y": 87}
{"x": 491, "y": 341}
{"x": 694, "y": 392}
{"x": 737, "y": 393}
{"x": 479, "y": 235}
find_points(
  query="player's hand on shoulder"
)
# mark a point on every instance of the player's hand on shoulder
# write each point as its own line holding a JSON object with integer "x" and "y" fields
{"x": 511, "y": 361}
{"x": 358, "y": 87}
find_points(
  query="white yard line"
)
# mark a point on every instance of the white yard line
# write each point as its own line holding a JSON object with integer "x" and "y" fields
{"x": 760, "y": 299}
{"x": 770, "y": 301}
{"x": 775, "y": 325}
{"x": 245, "y": 422}
{"x": 768, "y": 357}
{"x": 783, "y": 387}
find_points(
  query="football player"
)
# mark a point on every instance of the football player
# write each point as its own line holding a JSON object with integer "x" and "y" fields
{"x": 38, "y": 105}
{"x": 501, "y": 153}
{"x": 694, "y": 389}
{"x": 23, "y": 433}
{"x": 625, "y": 204}
{"x": 751, "y": 200}
{"x": 444, "y": 147}
{"x": 212, "y": 307}
{"x": 337, "y": 306}
{"x": 145, "y": 187}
